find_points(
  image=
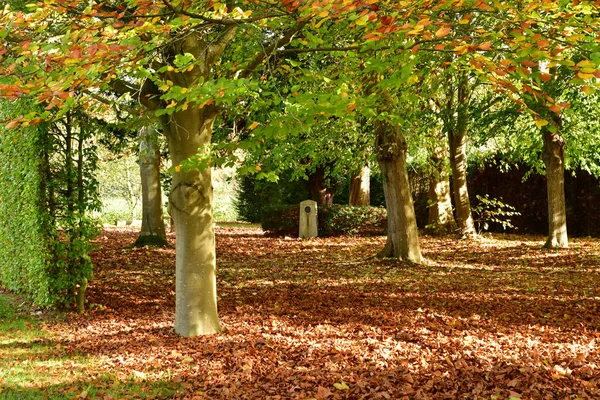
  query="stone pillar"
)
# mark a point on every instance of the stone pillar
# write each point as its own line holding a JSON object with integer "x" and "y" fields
{"x": 308, "y": 219}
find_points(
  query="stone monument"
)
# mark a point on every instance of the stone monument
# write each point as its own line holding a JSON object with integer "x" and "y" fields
{"x": 308, "y": 219}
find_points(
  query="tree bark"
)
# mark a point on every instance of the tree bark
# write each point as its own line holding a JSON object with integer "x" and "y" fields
{"x": 191, "y": 209}
{"x": 153, "y": 225}
{"x": 360, "y": 189}
{"x": 403, "y": 236}
{"x": 319, "y": 192}
{"x": 188, "y": 132}
{"x": 441, "y": 220}
{"x": 456, "y": 125}
{"x": 553, "y": 156}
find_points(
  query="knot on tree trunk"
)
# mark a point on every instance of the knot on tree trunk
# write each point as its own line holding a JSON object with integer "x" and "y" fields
{"x": 188, "y": 198}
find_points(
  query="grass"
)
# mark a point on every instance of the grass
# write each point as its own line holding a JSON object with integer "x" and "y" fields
{"x": 35, "y": 365}
{"x": 498, "y": 317}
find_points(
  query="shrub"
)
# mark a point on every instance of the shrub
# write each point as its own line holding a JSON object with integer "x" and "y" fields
{"x": 333, "y": 221}
{"x": 257, "y": 198}
{"x": 281, "y": 220}
{"x": 493, "y": 211}
{"x": 346, "y": 220}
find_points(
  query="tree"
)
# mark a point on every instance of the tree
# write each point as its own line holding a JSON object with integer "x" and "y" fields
{"x": 153, "y": 225}
{"x": 187, "y": 59}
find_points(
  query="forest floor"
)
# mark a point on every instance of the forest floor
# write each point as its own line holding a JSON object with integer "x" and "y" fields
{"x": 496, "y": 318}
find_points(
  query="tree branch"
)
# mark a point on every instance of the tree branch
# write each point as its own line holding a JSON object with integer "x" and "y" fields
{"x": 286, "y": 39}
{"x": 228, "y": 22}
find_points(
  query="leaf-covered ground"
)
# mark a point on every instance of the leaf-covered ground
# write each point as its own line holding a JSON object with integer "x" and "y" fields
{"x": 489, "y": 319}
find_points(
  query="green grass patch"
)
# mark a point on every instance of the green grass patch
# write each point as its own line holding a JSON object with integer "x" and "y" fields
{"x": 36, "y": 365}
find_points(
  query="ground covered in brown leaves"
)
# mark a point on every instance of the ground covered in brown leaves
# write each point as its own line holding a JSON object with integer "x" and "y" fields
{"x": 496, "y": 318}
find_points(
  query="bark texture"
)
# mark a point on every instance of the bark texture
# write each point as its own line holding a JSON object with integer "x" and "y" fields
{"x": 153, "y": 225}
{"x": 441, "y": 220}
{"x": 319, "y": 190}
{"x": 191, "y": 209}
{"x": 456, "y": 126}
{"x": 360, "y": 188}
{"x": 403, "y": 236}
{"x": 188, "y": 132}
{"x": 553, "y": 156}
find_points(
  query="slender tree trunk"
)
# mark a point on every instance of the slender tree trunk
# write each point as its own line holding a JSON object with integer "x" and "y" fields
{"x": 403, "y": 236}
{"x": 153, "y": 225}
{"x": 360, "y": 189}
{"x": 553, "y": 156}
{"x": 80, "y": 202}
{"x": 456, "y": 125}
{"x": 191, "y": 208}
{"x": 441, "y": 220}
{"x": 132, "y": 198}
{"x": 319, "y": 192}
{"x": 458, "y": 163}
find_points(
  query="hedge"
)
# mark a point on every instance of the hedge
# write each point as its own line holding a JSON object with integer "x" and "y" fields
{"x": 336, "y": 220}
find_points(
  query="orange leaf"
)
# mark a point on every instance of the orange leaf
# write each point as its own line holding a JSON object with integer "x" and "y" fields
{"x": 443, "y": 31}
{"x": 12, "y": 124}
{"x": 543, "y": 43}
{"x": 485, "y": 46}
{"x": 555, "y": 108}
{"x": 545, "y": 76}
{"x": 440, "y": 47}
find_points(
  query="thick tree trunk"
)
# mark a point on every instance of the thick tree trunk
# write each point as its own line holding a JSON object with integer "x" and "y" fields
{"x": 319, "y": 192}
{"x": 441, "y": 220}
{"x": 553, "y": 156}
{"x": 360, "y": 188}
{"x": 403, "y": 236}
{"x": 153, "y": 225}
{"x": 191, "y": 208}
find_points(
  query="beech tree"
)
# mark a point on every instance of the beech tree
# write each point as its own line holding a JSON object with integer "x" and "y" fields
{"x": 184, "y": 60}
{"x": 153, "y": 225}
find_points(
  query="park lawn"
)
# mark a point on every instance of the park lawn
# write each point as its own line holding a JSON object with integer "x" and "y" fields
{"x": 495, "y": 318}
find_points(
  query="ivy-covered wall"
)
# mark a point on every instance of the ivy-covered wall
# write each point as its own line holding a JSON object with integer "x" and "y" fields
{"x": 24, "y": 246}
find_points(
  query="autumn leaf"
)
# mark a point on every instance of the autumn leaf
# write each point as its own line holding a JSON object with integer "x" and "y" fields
{"x": 443, "y": 31}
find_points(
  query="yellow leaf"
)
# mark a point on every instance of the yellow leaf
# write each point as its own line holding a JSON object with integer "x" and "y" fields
{"x": 254, "y": 125}
{"x": 583, "y": 75}
{"x": 178, "y": 168}
{"x": 258, "y": 168}
{"x": 541, "y": 123}
{"x": 360, "y": 21}
{"x": 172, "y": 104}
{"x": 585, "y": 64}
{"x": 341, "y": 386}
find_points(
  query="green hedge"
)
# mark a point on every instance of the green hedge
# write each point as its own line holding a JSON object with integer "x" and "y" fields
{"x": 46, "y": 193}
{"x": 336, "y": 220}
{"x": 25, "y": 255}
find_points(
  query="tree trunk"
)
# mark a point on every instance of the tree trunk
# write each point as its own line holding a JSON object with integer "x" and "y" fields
{"x": 553, "y": 156}
{"x": 360, "y": 189}
{"x": 191, "y": 209}
{"x": 441, "y": 221}
{"x": 319, "y": 192}
{"x": 153, "y": 225}
{"x": 458, "y": 163}
{"x": 403, "y": 236}
{"x": 456, "y": 125}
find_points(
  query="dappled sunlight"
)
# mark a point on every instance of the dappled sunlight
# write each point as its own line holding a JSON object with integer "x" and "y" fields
{"x": 303, "y": 315}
